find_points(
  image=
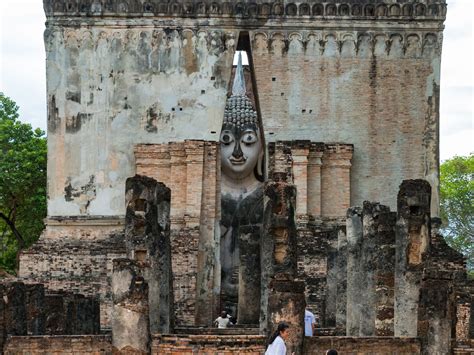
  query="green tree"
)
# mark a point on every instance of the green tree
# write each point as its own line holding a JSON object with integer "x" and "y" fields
{"x": 22, "y": 184}
{"x": 457, "y": 204}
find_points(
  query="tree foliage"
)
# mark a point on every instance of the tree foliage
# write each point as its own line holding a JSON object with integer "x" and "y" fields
{"x": 457, "y": 204}
{"x": 22, "y": 183}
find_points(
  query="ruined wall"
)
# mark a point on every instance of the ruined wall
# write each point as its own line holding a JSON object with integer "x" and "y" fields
{"x": 208, "y": 344}
{"x": 65, "y": 344}
{"x": 321, "y": 173}
{"x": 110, "y": 87}
{"x": 362, "y": 345}
{"x": 74, "y": 264}
{"x": 377, "y": 89}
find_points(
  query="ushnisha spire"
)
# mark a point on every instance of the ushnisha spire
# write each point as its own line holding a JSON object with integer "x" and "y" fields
{"x": 239, "y": 111}
{"x": 238, "y": 88}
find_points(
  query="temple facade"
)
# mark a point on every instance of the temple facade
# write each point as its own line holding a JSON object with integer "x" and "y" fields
{"x": 183, "y": 182}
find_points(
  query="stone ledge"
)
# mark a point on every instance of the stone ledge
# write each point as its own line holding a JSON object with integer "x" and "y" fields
{"x": 85, "y": 221}
{"x": 59, "y": 344}
{"x": 234, "y": 330}
{"x": 362, "y": 345}
{"x": 349, "y": 9}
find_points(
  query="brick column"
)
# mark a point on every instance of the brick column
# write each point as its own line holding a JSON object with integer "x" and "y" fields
{"x": 300, "y": 176}
{"x": 208, "y": 263}
{"x": 314, "y": 183}
{"x": 464, "y": 316}
{"x": 13, "y": 311}
{"x": 412, "y": 242}
{"x": 283, "y": 298}
{"x": 153, "y": 160}
{"x": 130, "y": 321}
{"x": 341, "y": 281}
{"x": 36, "y": 317}
{"x": 194, "y": 181}
{"x": 370, "y": 270}
{"x": 147, "y": 239}
{"x": 354, "y": 273}
{"x": 177, "y": 184}
{"x": 335, "y": 180}
{"x": 249, "y": 275}
{"x": 384, "y": 277}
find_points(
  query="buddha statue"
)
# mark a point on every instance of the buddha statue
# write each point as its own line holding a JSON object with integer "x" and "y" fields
{"x": 241, "y": 182}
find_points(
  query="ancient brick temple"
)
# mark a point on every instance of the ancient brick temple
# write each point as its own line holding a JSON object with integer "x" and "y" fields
{"x": 181, "y": 185}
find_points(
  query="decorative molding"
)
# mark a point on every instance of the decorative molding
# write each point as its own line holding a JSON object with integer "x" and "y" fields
{"x": 409, "y": 44}
{"x": 362, "y": 44}
{"x": 121, "y": 38}
{"x": 260, "y": 9}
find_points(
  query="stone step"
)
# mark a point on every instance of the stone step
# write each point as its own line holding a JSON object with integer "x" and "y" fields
{"x": 232, "y": 330}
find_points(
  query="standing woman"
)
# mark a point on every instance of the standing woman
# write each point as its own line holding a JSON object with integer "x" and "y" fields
{"x": 276, "y": 344}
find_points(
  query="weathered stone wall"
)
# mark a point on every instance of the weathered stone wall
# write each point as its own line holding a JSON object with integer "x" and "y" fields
{"x": 63, "y": 344}
{"x": 128, "y": 72}
{"x": 74, "y": 264}
{"x": 25, "y": 310}
{"x": 377, "y": 89}
{"x": 111, "y": 87}
{"x": 208, "y": 344}
{"x": 362, "y": 345}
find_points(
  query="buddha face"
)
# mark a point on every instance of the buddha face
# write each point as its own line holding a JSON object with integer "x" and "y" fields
{"x": 240, "y": 150}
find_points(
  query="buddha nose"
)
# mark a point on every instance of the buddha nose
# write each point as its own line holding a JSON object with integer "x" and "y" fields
{"x": 237, "y": 153}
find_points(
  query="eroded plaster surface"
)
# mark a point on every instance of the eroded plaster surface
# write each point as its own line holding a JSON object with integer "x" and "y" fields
{"x": 111, "y": 88}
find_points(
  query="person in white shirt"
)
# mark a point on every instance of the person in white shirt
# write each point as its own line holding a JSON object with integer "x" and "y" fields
{"x": 309, "y": 322}
{"x": 277, "y": 340}
{"x": 222, "y": 321}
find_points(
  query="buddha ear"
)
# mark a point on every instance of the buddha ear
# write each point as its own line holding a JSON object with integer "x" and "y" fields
{"x": 260, "y": 162}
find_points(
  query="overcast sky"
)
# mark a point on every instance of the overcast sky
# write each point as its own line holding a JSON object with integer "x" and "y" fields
{"x": 22, "y": 75}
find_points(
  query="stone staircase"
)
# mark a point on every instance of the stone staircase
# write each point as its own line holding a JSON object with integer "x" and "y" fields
{"x": 465, "y": 347}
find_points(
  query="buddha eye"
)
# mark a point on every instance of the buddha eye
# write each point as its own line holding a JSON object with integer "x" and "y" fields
{"x": 249, "y": 138}
{"x": 226, "y": 138}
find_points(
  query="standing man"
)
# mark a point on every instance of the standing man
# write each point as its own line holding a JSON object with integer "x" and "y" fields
{"x": 309, "y": 322}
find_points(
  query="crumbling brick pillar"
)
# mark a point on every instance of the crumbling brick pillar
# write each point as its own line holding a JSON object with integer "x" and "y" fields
{"x": 147, "y": 239}
{"x": 208, "y": 264}
{"x": 412, "y": 242}
{"x": 335, "y": 277}
{"x": 35, "y": 309}
{"x": 13, "y": 313}
{"x": 436, "y": 313}
{"x": 370, "y": 270}
{"x": 384, "y": 277}
{"x": 443, "y": 289}
{"x": 341, "y": 281}
{"x": 354, "y": 273}
{"x": 464, "y": 319}
{"x": 283, "y": 297}
{"x": 130, "y": 321}
{"x": 249, "y": 275}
